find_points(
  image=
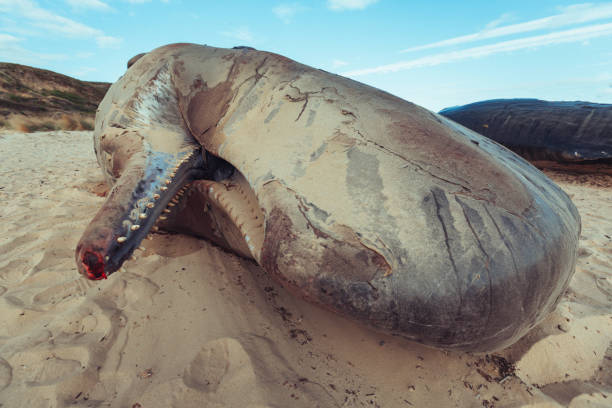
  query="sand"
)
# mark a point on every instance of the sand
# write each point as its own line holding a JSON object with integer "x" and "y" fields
{"x": 191, "y": 325}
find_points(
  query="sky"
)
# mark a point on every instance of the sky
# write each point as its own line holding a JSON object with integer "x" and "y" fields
{"x": 433, "y": 53}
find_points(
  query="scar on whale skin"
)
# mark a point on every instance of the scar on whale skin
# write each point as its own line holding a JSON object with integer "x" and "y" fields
{"x": 367, "y": 205}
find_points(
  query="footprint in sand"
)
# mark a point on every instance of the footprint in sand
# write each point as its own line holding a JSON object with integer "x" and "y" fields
{"x": 574, "y": 355}
{"x": 604, "y": 284}
{"x": 220, "y": 375}
{"x": 88, "y": 321}
{"x": 43, "y": 292}
{"x": 6, "y": 374}
{"x": 15, "y": 270}
{"x": 41, "y": 366}
{"x": 133, "y": 290}
{"x": 27, "y": 243}
{"x": 221, "y": 366}
{"x": 55, "y": 258}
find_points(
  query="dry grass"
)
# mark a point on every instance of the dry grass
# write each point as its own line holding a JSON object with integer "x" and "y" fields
{"x": 29, "y": 124}
{"x": 35, "y": 100}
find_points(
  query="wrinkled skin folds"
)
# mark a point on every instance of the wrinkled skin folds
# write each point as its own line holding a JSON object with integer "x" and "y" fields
{"x": 354, "y": 199}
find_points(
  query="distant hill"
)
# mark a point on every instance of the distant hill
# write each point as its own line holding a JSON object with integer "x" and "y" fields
{"x": 33, "y": 99}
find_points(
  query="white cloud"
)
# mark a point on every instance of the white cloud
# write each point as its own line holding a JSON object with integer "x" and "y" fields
{"x": 47, "y": 20}
{"x": 138, "y": 1}
{"x": 40, "y": 18}
{"x": 14, "y": 27}
{"x": 7, "y": 39}
{"x": 89, "y": 4}
{"x": 11, "y": 50}
{"x": 559, "y": 37}
{"x": 349, "y": 4}
{"x": 82, "y": 71}
{"x": 286, "y": 11}
{"x": 576, "y": 14}
{"x": 240, "y": 34}
{"x": 499, "y": 21}
{"x": 339, "y": 63}
{"x": 106, "y": 41}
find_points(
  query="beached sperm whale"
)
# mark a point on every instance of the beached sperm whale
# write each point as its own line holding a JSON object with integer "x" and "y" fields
{"x": 568, "y": 132}
{"x": 353, "y": 198}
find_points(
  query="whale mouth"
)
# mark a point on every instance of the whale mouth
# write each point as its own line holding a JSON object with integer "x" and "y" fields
{"x": 144, "y": 197}
{"x": 228, "y": 213}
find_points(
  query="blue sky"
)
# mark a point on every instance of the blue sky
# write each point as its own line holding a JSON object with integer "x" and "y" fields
{"x": 433, "y": 53}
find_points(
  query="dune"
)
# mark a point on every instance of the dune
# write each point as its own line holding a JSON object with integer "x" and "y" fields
{"x": 190, "y": 325}
{"x": 34, "y": 99}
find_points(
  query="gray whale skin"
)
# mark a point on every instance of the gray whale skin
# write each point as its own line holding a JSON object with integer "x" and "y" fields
{"x": 566, "y": 132}
{"x": 352, "y": 198}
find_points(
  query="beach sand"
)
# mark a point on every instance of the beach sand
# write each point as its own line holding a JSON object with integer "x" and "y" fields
{"x": 191, "y": 325}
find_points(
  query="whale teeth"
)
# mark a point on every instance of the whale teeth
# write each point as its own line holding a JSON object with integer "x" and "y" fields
{"x": 174, "y": 200}
{"x": 163, "y": 217}
{"x": 150, "y": 205}
{"x": 235, "y": 198}
{"x": 167, "y": 181}
{"x": 142, "y": 216}
{"x": 135, "y": 227}
{"x": 155, "y": 228}
{"x": 141, "y": 248}
{"x": 163, "y": 188}
{"x": 167, "y": 211}
{"x": 156, "y": 196}
{"x": 171, "y": 204}
{"x": 121, "y": 239}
